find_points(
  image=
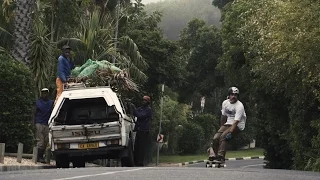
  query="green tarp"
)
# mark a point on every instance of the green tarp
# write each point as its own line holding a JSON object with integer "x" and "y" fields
{"x": 90, "y": 67}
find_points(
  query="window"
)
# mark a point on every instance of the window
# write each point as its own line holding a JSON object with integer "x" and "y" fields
{"x": 86, "y": 111}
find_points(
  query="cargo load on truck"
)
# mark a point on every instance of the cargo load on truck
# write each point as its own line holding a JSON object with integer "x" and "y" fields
{"x": 103, "y": 73}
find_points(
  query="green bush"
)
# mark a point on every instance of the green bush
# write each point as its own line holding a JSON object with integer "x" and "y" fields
{"x": 210, "y": 125}
{"x": 314, "y": 160}
{"x": 273, "y": 131}
{"x": 191, "y": 139}
{"x": 16, "y": 102}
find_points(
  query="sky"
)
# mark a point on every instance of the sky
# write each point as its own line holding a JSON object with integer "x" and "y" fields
{"x": 149, "y": 1}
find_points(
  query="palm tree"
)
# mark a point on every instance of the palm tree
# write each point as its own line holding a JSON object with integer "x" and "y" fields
{"x": 95, "y": 41}
{"x": 41, "y": 49}
{"x": 22, "y": 29}
{"x": 5, "y": 26}
{"x": 4, "y": 35}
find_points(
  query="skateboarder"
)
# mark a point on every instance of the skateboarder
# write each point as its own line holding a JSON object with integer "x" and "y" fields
{"x": 233, "y": 120}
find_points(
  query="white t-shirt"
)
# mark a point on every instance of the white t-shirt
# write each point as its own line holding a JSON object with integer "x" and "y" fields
{"x": 234, "y": 112}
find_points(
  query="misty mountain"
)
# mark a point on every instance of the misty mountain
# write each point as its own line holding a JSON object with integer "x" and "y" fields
{"x": 177, "y": 13}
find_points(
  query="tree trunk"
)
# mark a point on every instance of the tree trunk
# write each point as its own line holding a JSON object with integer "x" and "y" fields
{"x": 22, "y": 29}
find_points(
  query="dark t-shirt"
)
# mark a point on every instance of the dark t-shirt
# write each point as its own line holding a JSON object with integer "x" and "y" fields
{"x": 43, "y": 112}
{"x": 144, "y": 116}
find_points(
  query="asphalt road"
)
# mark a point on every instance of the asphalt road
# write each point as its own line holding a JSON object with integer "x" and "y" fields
{"x": 234, "y": 171}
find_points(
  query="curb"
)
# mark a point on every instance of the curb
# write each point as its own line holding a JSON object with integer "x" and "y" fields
{"x": 23, "y": 167}
{"x": 227, "y": 159}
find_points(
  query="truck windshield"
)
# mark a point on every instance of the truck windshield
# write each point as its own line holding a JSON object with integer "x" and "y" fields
{"x": 86, "y": 111}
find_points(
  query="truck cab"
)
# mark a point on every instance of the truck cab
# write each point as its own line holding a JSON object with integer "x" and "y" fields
{"x": 89, "y": 123}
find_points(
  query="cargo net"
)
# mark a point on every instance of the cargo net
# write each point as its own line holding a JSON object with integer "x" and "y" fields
{"x": 103, "y": 73}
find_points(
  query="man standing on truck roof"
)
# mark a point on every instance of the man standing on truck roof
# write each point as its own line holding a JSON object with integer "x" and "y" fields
{"x": 42, "y": 112}
{"x": 65, "y": 65}
{"x": 142, "y": 127}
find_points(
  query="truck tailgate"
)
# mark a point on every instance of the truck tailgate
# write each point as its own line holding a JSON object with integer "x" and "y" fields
{"x": 85, "y": 133}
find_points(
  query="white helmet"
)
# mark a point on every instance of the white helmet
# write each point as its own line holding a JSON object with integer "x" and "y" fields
{"x": 233, "y": 90}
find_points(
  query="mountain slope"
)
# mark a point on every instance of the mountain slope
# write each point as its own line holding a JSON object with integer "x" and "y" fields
{"x": 177, "y": 13}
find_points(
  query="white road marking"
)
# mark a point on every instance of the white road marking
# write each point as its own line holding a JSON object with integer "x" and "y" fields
{"x": 252, "y": 165}
{"x": 101, "y": 174}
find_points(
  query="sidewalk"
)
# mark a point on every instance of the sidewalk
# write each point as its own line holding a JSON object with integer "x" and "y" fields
{"x": 11, "y": 164}
{"x": 24, "y": 167}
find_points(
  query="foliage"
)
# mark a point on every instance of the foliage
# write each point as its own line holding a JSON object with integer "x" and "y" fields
{"x": 191, "y": 139}
{"x": 210, "y": 125}
{"x": 203, "y": 44}
{"x": 17, "y": 98}
{"x": 314, "y": 160}
{"x": 41, "y": 50}
{"x": 221, "y": 3}
{"x": 174, "y": 118}
{"x": 162, "y": 56}
{"x": 269, "y": 50}
{"x": 95, "y": 41}
{"x": 5, "y": 26}
{"x": 177, "y": 13}
{"x": 63, "y": 17}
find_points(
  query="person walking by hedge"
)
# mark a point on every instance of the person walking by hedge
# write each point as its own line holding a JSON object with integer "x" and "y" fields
{"x": 42, "y": 112}
{"x": 65, "y": 65}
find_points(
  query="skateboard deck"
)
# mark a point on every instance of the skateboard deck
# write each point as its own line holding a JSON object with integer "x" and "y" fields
{"x": 217, "y": 164}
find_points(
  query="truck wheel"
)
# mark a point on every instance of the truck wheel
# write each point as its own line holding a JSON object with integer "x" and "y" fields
{"x": 77, "y": 163}
{"x": 129, "y": 160}
{"x": 62, "y": 161}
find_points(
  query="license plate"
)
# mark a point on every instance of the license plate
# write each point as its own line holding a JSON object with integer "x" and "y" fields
{"x": 88, "y": 145}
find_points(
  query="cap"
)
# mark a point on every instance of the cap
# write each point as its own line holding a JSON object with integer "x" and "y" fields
{"x": 147, "y": 98}
{"x": 66, "y": 47}
{"x": 45, "y": 89}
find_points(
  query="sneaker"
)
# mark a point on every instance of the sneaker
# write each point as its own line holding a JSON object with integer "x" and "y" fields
{"x": 211, "y": 158}
{"x": 220, "y": 159}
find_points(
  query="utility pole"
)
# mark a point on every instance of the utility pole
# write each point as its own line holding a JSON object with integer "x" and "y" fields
{"x": 161, "y": 108}
{"x": 116, "y": 31}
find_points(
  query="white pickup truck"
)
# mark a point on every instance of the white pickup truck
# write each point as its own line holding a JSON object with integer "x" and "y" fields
{"x": 88, "y": 124}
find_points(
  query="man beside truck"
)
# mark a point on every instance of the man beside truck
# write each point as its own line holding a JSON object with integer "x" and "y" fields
{"x": 142, "y": 128}
{"x": 42, "y": 112}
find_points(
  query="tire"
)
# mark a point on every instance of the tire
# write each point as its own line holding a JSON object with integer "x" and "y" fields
{"x": 78, "y": 163}
{"x": 62, "y": 161}
{"x": 129, "y": 160}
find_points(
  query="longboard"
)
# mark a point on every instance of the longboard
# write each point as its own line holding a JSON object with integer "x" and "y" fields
{"x": 217, "y": 164}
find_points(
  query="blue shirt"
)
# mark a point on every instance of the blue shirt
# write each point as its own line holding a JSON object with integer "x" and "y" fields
{"x": 43, "y": 112}
{"x": 144, "y": 116}
{"x": 64, "y": 68}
